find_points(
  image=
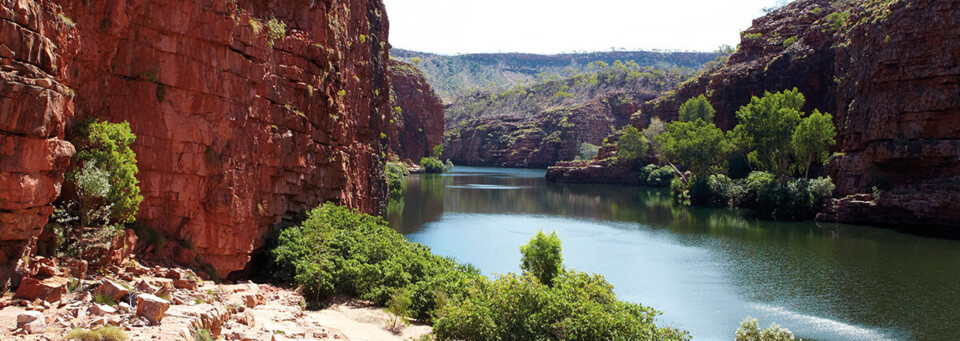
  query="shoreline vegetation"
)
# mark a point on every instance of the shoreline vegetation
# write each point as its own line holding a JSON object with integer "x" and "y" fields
{"x": 339, "y": 251}
{"x": 764, "y": 163}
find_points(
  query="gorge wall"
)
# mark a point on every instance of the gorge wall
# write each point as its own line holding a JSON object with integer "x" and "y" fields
{"x": 34, "y": 106}
{"x": 536, "y": 125}
{"x": 416, "y": 122}
{"x": 245, "y": 112}
{"x": 888, "y": 72}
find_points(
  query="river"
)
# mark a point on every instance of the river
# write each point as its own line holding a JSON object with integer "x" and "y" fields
{"x": 705, "y": 269}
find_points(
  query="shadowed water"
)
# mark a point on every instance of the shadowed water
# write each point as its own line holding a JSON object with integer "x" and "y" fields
{"x": 705, "y": 269}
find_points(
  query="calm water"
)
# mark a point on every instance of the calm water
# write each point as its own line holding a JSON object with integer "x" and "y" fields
{"x": 705, "y": 269}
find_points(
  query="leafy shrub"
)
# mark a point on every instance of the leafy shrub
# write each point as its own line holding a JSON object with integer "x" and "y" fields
{"x": 106, "y": 333}
{"x": 578, "y": 306}
{"x": 697, "y": 108}
{"x": 277, "y": 30}
{"x": 750, "y": 331}
{"x": 448, "y": 165}
{"x": 790, "y": 41}
{"x": 396, "y": 178}
{"x": 432, "y": 165}
{"x": 437, "y": 151}
{"x": 632, "y": 145}
{"x": 656, "y": 176}
{"x": 107, "y": 146}
{"x": 542, "y": 257}
{"x": 202, "y": 334}
{"x": 338, "y": 251}
{"x": 837, "y": 20}
{"x": 588, "y": 151}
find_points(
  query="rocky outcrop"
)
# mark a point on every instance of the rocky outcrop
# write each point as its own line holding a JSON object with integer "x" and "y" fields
{"x": 888, "y": 72}
{"x": 246, "y": 112}
{"x": 542, "y": 139}
{"x": 899, "y": 122}
{"x": 605, "y": 170}
{"x": 34, "y": 106}
{"x": 416, "y": 123}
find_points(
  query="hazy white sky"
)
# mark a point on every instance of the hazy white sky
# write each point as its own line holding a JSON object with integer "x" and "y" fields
{"x": 553, "y": 26}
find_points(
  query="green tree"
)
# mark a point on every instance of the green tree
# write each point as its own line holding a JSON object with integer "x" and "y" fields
{"x": 697, "y": 108}
{"x": 812, "y": 140}
{"x": 766, "y": 125}
{"x": 107, "y": 146}
{"x": 750, "y": 331}
{"x": 543, "y": 257}
{"x": 437, "y": 151}
{"x": 699, "y": 145}
{"x": 632, "y": 145}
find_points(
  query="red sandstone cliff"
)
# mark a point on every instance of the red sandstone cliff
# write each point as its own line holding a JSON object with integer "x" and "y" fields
{"x": 239, "y": 125}
{"x": 33, "y": 108}
{"x": 416, "y": 123}
{"x": 888, "y": 73}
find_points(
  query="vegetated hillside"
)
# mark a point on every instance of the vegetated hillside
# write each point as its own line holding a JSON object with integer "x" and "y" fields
{"x": 453, "y": 76}
{"x": 416, "y": 121}
{"x": 246, "y": 112}
{"x": 886, "y": 69}
{"x": 538, "y": 124}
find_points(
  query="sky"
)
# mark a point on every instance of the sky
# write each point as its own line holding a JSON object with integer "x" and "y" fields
{"x": 558, "y": 26}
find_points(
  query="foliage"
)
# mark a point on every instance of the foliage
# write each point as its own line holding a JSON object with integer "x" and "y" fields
{"x": 632, "y": 145}
{"x": 107, "y": 146}
{"x": 105, "y": 333}
{"x": 578, "y": 306}
{"x": 338, "y": 251}
{"x": 656, "y": 176}
{"x": 432, "y": 165}
{"x": 588, "y": 151}
{"x": 767, "y": 124}
{"x": 763, "y": 193}
{"x": 277, "y": 29}
{"x": 202, "y": 334}
{"x": 92, "y": 186}
{"x": 542, "y": 257}
{"x": 790, "y": 41}
{"x": 399, "y": 307}
{"x": 437, "y": 151}
{"x": 104, "y": 299}
{"x": 812, "y": 140}
{"x": 697, "y": 108}
{"x": 750, "y": 331}
{"x": 448, "y": 165}
{"x": 699, "y": 145}
{"x": 396, "y": 178}
{"x": 837, "y": 20}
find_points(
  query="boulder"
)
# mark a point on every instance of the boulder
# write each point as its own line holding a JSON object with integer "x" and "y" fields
{"x": 152, "y": 307}
{"x": 32, "y": 322}
{"x": 111, "y": 289}
{"x": 102, "y": 309}
{"x": 50, "y": 289}
{"x": 252, "y": 299}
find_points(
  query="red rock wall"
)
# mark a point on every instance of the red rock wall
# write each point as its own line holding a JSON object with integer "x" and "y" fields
{"x": 33, "y": 109}
{"x": 236, "y": 132}
{"x": 899, "y": 127}
{"x": 542, "y": 139}
{"x": 418, "y": 124}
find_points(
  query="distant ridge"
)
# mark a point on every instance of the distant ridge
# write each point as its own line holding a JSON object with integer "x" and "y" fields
{"x": 454, "y": 76}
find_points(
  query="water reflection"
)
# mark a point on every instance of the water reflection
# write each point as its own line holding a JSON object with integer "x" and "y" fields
{"x": 705, "y": 268}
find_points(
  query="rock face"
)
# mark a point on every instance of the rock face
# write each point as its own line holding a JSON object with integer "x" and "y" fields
{"x": 34, "y": 106}
{"x": 541, "y": 139}
{"x": 899, "y": 125}
{"x": 889, "y": 75}
{"x": 416, "y": 124}
{"x": 245, "y": 112}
